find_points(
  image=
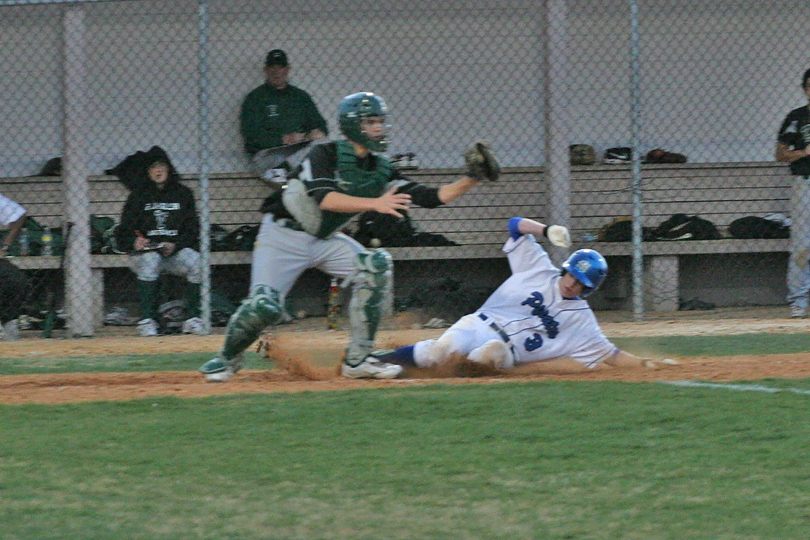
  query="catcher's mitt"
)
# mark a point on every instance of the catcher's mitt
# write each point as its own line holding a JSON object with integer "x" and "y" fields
{"x": 481, "y": 163}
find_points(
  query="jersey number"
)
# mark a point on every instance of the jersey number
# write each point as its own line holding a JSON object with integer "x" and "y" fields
{"x": 533, "y": 343}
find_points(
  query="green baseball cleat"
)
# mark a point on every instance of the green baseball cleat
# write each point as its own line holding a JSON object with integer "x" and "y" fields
{"x": 220, "y": 370}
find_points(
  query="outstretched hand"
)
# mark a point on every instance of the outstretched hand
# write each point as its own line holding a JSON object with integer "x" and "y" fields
{"x": 141, "y": 242}
{"x": 167, "y": 248}
{"x": 392, "y": 202}
{"x": 659, "y": 362}
{"x": 623, "y": 359}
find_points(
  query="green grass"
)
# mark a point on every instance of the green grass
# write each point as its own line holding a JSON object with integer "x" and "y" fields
{"x": 114, "y": 363}
{"x": 686, "y": 346}
{"x": 567, "y": 460}
{"x": 513, "y": 460}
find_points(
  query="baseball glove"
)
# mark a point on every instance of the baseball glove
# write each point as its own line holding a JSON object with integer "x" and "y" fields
{"x": 481, "y": 163}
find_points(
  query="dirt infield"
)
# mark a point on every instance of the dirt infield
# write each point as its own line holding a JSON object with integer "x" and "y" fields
{"x": 322, "y": 349}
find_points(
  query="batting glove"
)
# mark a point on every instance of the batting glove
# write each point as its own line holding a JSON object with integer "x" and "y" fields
{"x": 558, "y": 235}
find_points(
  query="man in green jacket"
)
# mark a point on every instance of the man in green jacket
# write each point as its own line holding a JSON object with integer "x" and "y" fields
{"x": 277, "y": 114}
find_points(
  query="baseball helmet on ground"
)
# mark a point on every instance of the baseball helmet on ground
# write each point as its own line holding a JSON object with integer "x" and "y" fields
{"x": 355, "y": 107}
{"x": 588, "y": 267}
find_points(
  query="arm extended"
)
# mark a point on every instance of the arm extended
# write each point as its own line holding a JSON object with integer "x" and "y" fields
{"x": 567, "y": 366}
{"x": 786, "y": 154}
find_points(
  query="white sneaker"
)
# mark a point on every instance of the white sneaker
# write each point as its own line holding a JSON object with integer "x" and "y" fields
{"x": 194, "y": 325}
{"x": 797, "y": 312}
{"x": 371, "y": 368}
{"x": 147, "y": 327}
{"x": 119, "y": 316}
{"x": 11, "y": 330}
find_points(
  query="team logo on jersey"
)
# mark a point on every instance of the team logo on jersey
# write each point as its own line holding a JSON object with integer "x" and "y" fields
{"x": 539, "y": 309}
{"x": 161, "y": 218}
{"x": 168, "y": 206}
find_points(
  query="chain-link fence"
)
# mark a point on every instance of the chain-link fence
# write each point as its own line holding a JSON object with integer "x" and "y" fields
{"x": 103, "y": 85}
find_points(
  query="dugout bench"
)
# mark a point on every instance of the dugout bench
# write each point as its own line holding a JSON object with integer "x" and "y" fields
{"x": 719, "y": 192}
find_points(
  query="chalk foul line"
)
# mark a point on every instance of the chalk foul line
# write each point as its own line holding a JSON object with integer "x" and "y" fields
{"x": 737, "y": 387}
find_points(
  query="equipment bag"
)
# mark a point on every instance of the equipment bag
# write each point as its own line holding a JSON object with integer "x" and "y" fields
{"x": 683, "y": 227}
{"x": 621, "y": 230}
{"x": 582, "y": 154}
{"x": 99, "y": 225}
{"x": 757, "y": 227}
{"x": 240, "y": 239}
{"x": 392, "y": 231}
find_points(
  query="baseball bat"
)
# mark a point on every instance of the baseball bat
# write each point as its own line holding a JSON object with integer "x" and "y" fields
{"x": 50, "y": 318}
{"x": 333, "y": 309}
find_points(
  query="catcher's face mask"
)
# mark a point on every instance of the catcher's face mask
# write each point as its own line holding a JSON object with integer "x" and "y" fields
{"x": 356, "y": 108}
{"x": 374, "y": 127}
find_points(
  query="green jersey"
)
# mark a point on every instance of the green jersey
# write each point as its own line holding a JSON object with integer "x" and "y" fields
{"x": 333, "y": 166}
{"x": 268, "y": 114}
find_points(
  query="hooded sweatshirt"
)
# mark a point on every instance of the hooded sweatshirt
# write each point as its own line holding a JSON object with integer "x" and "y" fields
{"x": 162, "y": 215}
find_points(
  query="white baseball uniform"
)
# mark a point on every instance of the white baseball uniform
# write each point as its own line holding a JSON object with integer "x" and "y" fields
{"x": 530, "y": 315}
{"x": 10, "y": 211}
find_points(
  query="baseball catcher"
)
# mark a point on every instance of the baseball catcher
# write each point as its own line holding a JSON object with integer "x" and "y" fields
{"x": 537, "y": 320}
{"x": 301, "y": 229}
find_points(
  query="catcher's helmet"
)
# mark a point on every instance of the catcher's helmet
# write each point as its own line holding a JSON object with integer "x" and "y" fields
{"x": 355, "y": 107}
{"x": 589, "y": 267}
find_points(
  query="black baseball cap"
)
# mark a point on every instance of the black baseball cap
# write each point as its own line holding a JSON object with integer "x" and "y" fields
{"x": 806, "y": 78}
{"x": 276, "y": 57}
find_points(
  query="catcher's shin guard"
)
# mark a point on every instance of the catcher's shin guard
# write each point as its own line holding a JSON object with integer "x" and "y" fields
{"x": 257, "y": 312}
{"x": 365, "y": 308}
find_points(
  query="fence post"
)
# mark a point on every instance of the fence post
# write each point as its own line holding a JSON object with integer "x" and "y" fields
{"x": 205, "y": 193}
{"x": 635, "y": 130}
{"x": 78, "y": 279}
{"x": 558, "y": 168}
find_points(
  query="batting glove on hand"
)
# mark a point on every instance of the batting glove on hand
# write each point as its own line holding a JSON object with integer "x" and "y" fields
{"x": 481, "y": 163}
{"x": 558, "y": 235}
{"x": 655, "y": 364}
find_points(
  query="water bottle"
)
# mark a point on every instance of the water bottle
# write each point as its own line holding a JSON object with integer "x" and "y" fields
{"x": 47, "y": 241}
{"x": 25, "y": 243}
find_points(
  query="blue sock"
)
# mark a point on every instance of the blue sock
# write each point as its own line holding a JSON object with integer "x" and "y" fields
{"x": 402, "y": 356}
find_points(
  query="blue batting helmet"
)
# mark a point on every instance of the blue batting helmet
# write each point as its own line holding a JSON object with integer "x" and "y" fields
{"x": 588, "y": 267}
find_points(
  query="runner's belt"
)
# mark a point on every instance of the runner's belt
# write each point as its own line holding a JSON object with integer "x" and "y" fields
{"x": 494, "y": 326}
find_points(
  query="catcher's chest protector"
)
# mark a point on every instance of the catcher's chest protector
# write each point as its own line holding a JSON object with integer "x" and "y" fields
{"x": 354, "y": 181}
